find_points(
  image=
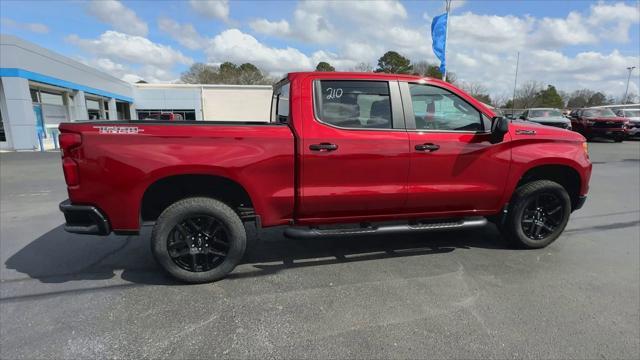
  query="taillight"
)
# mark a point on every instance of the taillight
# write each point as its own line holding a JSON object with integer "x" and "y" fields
{"x": 70, "y": 170}
{"x": 68, "y": 141}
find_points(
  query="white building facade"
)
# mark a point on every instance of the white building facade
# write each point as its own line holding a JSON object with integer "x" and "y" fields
{"x": 39, "y": 89}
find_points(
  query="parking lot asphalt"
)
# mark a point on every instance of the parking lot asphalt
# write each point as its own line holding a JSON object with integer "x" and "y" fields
{"x": 454, "y": 294}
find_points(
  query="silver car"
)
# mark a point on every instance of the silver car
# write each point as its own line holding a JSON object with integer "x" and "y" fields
{"x": 547, "y": 116}
{"x": 633, "y": 115}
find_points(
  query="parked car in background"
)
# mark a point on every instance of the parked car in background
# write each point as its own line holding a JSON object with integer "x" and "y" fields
{"x": 633, "y": 118}
{"x": 164, "y": 116}
{"x": 592, "y": 122}
{"x": 547, "y": 116}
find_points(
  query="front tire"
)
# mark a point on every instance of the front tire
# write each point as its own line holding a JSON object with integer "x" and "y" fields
{"x": 538, "y": 213}
{"x": 198, "y": 240}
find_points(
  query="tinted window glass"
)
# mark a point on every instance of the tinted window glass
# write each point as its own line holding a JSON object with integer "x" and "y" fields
{"x": 598, "y": 113}
{"x": 438, "y": 109}
{"x": 48, "y": 98}
{"x": 354, "y": 104}
{"x": 545, "y": 113}
{"x": 280, "y": 104}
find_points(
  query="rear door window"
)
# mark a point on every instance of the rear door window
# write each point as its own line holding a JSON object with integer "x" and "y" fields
{"x": 353, "y": 104}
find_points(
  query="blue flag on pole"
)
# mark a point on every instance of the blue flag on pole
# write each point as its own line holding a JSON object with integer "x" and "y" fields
{"x": 439, "y": 37}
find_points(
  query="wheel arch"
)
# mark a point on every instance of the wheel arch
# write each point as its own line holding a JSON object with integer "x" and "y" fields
{"x": 166, "y": 189}
{"x": 565, "y": 174}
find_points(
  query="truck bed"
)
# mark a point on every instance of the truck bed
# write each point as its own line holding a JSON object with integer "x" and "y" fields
{"x": 120, "y": 160}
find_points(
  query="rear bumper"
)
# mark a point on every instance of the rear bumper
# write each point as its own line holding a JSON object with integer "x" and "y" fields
{"x": 84, "y": 219}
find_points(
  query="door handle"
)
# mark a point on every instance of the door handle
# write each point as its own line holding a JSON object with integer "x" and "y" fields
{"x": 323, "y": 147}
{"x": 427, "y": 147}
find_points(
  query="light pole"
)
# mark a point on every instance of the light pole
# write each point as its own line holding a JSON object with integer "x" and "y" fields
{"x": 515, "y": 83}
{"x": 624, "y": 99}
{"x": 446, "y": 35}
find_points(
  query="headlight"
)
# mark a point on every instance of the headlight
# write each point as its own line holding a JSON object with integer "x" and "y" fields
{"x": 585, "y": 147}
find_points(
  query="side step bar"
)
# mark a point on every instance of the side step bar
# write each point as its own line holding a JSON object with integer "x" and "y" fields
{"x": 437, "y": 225}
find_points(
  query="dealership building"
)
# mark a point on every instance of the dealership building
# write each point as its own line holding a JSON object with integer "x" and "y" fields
{"x": 39, "y": 89}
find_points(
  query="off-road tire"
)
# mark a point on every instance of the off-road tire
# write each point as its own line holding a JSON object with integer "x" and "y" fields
{"x": 513, "y": 228}
{"x": 196, "y": 206}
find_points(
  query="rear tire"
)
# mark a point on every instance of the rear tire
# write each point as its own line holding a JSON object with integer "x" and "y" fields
{"x": 538, "y": 213}
{"x": 198, "y": 240}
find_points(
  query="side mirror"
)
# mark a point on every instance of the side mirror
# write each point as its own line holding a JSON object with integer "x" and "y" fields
{"x": 522, "y": 117}
{"x": 499, "y": 127}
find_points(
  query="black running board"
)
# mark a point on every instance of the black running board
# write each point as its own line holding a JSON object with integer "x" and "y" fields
{"x": 439, "y": 225}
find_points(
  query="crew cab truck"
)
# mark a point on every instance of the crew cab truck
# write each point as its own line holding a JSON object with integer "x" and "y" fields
{"x": 343, "y": 154}
{"x": 593, "y": 122}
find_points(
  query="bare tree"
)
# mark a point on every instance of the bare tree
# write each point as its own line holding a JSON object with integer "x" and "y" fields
{"x": 631, "y": 98}
{"x": 363, "y": 67}
{"x": 477, "y": 90}
{"x": 501, "y": 100}
{"x": 527, "y": 94}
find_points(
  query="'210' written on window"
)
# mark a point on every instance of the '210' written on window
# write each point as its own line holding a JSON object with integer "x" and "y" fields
{"x": 353, "y": 104}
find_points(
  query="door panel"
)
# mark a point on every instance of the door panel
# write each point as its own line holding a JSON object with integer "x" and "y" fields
{"x": 453, "y": 167}
{"x": 351, "y": 172}
{"x": 466, "y": 173}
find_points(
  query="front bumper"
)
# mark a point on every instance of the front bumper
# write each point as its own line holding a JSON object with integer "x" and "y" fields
{"x": 580, "y": 203}
{"x": 84, "y": 219}
{"x": 607, "y": 132}
{"x": 634, "y": 131}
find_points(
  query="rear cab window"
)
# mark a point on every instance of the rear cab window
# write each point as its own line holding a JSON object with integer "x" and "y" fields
{"x": 353, "y": 104}
{"x": 280, "y": 103}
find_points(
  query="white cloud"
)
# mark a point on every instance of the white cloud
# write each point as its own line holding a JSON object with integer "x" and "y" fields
{"x": 122, "y": 18}
{"x": 185, "y": 34}
{"x": 33, "y": 27}
{"x": 129, "y": 48}
{"x": 235, "y": 46}
{"x": 570, "y": 31}
{"x": 614, "y": 20}
{"x": 131, "y": 73}
{"x": 216, "y": 9}
{"x": 456, "y": 4}
{"x": 482, "y": 48}
{"x": 277, "y": 28}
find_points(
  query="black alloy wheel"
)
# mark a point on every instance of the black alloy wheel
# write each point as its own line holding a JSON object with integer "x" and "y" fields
{"x": 198, "y": 243}
{"x": 542, "y": 215}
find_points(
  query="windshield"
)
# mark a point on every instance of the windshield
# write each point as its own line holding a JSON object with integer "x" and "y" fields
{"x": 632, "y": 113}
{"x": 544, "y": 113}
{"x": 603, "y": 113}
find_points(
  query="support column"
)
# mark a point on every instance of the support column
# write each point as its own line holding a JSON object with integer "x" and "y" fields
{"x": 79, "y": 106}
{"x": 113, "y": 112}
{"x": 103, "y": 113}
{"x": 19, "y": 120}
{"x": 132, "y": 110}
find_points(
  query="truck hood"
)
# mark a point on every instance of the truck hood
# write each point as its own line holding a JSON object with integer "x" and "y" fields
{"x": 527, "y": 129}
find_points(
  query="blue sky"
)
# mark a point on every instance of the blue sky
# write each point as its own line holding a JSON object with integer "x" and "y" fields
{"x": 571, "y": 44}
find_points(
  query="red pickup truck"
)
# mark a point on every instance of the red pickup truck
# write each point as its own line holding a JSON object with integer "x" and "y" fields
{"x": 343, "y": 154}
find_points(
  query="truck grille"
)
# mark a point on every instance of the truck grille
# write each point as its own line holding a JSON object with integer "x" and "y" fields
{"x": 562, "y": 125}
{"x": 609, "y": 124}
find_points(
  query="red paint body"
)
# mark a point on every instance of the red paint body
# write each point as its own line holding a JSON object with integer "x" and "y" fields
{"x": 373, "y": 175}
